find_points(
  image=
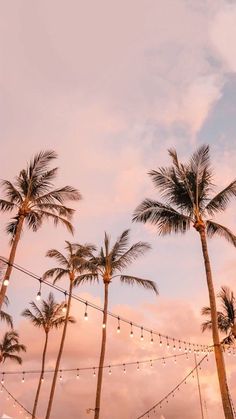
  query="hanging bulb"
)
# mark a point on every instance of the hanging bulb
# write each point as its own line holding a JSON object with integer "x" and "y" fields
{"x": 174, "y": 347}
{"x": 86, "y": 313}
{"x": 160, "y": 340}
{"x": 164, "y": 362}
{"x": 23, "y": 378}
{"x": 151, "y": 363}
{"x": 167, "y": 342}
{"x": 104, "y": 326}
{"x": 175, "y": 359}
{"x": 124, "y": 369}
{"x": 77, "y": 375}
{"x": 141, "y": 333}
{"x": 6, "y": 282}
{"x": 2, "y": 380}
{"x": 38, "y": 296}
{"x": 60, "y": 378}
{"x": 109, "y": 372}
{"x": 94, "y": 372}
{"x": 131, "y": 330}
{"x": 42, "y": 379}
{"x": 118, "y": 327}
{"x": 180, "y": 349}
{"x": 138, "y": 368}
{"x": 151, "y": 337}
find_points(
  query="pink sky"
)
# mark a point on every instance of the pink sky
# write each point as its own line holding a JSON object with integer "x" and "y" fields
{"x": 111, "y": 86}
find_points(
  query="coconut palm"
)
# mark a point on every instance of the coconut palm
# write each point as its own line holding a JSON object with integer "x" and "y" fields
{"x": 109, "y": 264}
{"x": 72, "y": 264}
{"x": 33, "y": 199}
{"x": 47, "y": 316}
{"x": 10, "y": 347}
{"x": 226, "y": 317}
{"x": 186, "y": 193}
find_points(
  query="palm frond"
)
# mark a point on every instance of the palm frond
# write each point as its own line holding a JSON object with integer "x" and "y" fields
{"x": 135, "y": 251}
{"x": 7, "y": 206}
{"x": 55, "y": 272}
{"x": 12, "y": 357}
{"x": 12, "y": 192}
{"x": 145, "y": 283}
{"x": 6, "y": 318}
{"x": 67, "y": 193}
{"x": 53, "y": 253}
{"x": 34, "y": 220}
{"x": 120, "y": 245}
{"x": 222, "y": 199}
{"x": 167, "y": 219}
{"x": 84, "y": 278}
{"x": 57, "y": 219}
{"x": 228, "y": 301}
{"x": 215, "y": 228}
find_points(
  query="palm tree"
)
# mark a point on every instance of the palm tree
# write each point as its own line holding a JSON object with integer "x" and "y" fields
{"x": 109, "y": 264}
{"x": 186, "y": 201}
{"x": 49, "y": 315}
{"x": 10, "y": 346}
{"x": 74, "y": 263}
{"x": 226, "y": 317}
{"x": 34, "y": 200}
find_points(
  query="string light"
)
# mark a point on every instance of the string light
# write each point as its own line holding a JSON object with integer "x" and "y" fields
{"x": 172, "y": 392}
{"x": 141, "y": 337}
{"x": 160, "y": 342}
{"x": 109, "y": 371}
{"x": 6, "y": 282}
{"x": 38, "y": 296}
{"x": 124, "y": 369}
{"x": 15, "y": 401}
{"x": 94, "y": 372}
{"x": 86, "y": 311}
{"x": 151, "y": 337}
{"x": 60, "y": 378}
{"x": 2, "y": 380}
{"x": 131, "y": 330}
{"x": 23, "y": 377}
{"x": 138, "y": 367}
{"x": 118, "y": 326}
{"x": 77, "y": 375}
{"x": 56, "y": 287}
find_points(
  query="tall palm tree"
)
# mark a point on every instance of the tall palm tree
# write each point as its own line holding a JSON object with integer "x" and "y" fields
{"x": 109, "y": 264}
{"x": 49, "y": 315}
{"x": 33, "y": 199}
{"x": 10, "y": 346}
{"x": 72, "y": 264}
{"x": 226, "y": 317}
{"x": 186, "y": 190}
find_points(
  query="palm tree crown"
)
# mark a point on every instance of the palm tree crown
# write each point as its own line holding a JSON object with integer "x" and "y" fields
{"x": 186, "y": 197}
{"x": 48, "y": 316}
{"x": 226, "y": 317}
{"x": 113, "y": 260}
{"x": 72, "y": 264}
{"x": 32, "y": 195}
{"x": 10, "y": 346}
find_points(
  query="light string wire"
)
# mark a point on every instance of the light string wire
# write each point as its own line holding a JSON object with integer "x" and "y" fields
{"x": 108, "y": 366}
{"x": 16, "y": 400}
{"x": 173, "y": 390}
{"x": 175, "y": 341}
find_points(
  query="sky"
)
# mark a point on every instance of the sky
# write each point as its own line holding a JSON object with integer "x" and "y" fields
{"x": 111, "y": 86}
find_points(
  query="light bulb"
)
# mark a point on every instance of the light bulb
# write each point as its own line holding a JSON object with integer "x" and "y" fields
{"x": 104, "y": 326}
{"x": 6, "y": 282}
{"x": 85, "y": 315}
{"x": 64, "y": 309}
{"x": 38, "y": 296}
{"x": 131, "y": 334}
{"x": 118, "y": 329}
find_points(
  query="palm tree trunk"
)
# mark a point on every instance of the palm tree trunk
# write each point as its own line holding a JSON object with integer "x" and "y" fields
{"x": 41, "y": 376}
{"x": 11, "y": 258}
{"x": 54, "y": 381}
{"x": 215, "y": 333}
{"x": 102, "y": 354}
